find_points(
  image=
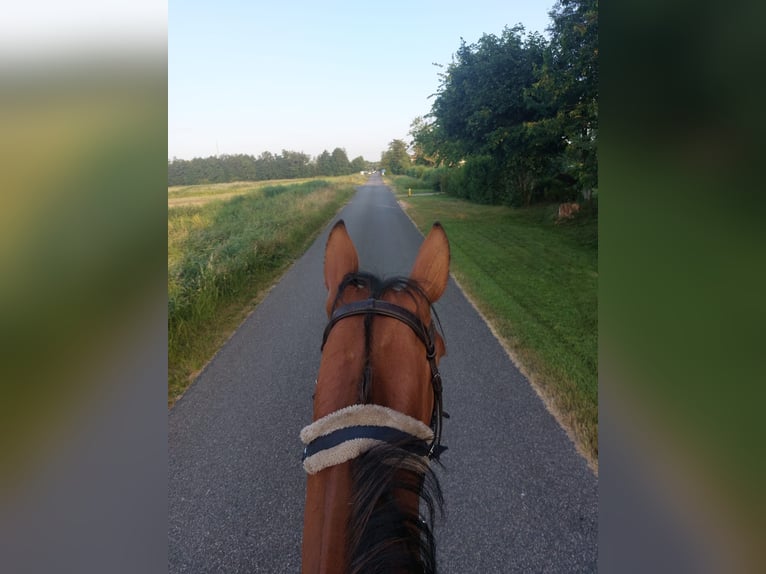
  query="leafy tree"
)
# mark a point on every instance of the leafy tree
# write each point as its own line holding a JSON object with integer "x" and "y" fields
{"x": 431, "y": 145}
{"x": 515, "y": 114}
{"x": 241, "y": 167}
{"x": 341, "y": 165}
{"x": 482, "y": 93}
{"x": 266, "y": 166}
{"x": 293, "y": 164}
{"x": 569, "y": 84}
{"x": 333, "y": 164}
{"x": 396, "y": 159}
{"x": 178, "y": 172}
{"x": 481, "y": 110}
{"x": 324, "y": 164}
{"x": 423, "y": 144}
{"x": 358, "y": 164}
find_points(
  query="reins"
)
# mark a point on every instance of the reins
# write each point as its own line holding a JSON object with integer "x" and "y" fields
{"x": 373, "y": 306}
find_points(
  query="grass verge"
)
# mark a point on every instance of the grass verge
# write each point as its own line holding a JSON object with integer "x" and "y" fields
{"x": 536, "y": 283}
{"x": 404, "y": 184}
{"x": 223, "y": 255}
{"x": 179, "y": 195}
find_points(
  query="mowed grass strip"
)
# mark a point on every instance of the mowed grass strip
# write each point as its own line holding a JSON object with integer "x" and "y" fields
{"x": 536, "y": 282}
{"x": 224, "y": 254}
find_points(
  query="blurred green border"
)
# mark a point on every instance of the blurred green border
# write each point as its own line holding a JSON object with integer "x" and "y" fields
{"x": 681, "y": 258}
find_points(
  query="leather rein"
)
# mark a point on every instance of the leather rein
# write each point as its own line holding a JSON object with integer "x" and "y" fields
{"x": 374, "y": 306}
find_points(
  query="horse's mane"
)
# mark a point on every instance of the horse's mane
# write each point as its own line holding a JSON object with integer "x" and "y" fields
{"x": 384, "y": 536}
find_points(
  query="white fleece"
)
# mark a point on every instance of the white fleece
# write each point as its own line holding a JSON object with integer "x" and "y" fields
{"x": 370, "y": 415}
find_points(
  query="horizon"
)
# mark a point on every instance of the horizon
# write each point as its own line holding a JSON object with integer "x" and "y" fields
{"x": 256, "y": 155}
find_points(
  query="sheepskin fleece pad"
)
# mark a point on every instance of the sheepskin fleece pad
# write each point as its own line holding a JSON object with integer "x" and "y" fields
{"x": 356, "y": 415}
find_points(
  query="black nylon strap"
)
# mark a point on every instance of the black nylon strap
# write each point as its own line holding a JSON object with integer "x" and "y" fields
{"x": 390, "y": 435}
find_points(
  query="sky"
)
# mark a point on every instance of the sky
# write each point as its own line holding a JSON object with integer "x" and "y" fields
{"x": 248, "y": 77}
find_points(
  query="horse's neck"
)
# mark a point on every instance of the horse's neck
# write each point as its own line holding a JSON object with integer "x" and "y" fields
{"x": 326, "y": 521}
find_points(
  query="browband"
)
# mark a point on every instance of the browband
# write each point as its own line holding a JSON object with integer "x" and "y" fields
{"x": 379, "y": 307}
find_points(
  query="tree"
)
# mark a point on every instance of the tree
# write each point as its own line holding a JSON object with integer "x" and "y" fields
{"x": 431, "y": 145}
{"x": 481, "y": 111}
{"x": 481, "y": 96}
{"x": 266, "y": 166}
{"x": 358, "y": 164}
{"x": 341, "y": 165}
{"x": 293, "y": 164}
{"x": 514, "y": 114}
{"x": 570, "y": 77}
{"x": 423, "y": 145}
{"x": 396, "y": 159}
{"x": 324, "y": 164}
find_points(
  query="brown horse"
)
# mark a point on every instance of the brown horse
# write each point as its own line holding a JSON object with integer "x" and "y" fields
{"x": 377, "y": 416}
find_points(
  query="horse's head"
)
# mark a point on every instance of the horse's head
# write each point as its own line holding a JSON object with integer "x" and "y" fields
{"x": 377, "y": 411}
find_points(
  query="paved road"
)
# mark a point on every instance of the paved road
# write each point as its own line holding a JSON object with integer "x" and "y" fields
{"x": 518, "y": 496}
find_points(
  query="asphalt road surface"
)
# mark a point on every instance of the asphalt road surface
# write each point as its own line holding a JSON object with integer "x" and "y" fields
{"x": 518, "y": 497}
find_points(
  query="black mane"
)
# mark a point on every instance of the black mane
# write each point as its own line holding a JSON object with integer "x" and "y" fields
{"x": 384, "y": 537}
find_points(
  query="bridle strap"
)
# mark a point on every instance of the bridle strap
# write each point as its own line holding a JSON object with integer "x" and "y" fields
{"x": 379, "y": 307}
{"x": 426, "y": 335}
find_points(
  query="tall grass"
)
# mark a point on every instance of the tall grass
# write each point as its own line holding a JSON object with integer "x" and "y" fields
{"x": 222, "y": 254}
{"x": 211, "y": 189}
{"x": 536, "y": 281}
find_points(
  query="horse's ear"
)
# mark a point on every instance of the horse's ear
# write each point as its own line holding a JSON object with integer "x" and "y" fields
{"x": 340, "y": 259}
{"x": 431, "y": 269}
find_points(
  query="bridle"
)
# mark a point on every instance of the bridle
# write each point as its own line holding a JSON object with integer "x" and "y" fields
{"x": 374, "y": 306}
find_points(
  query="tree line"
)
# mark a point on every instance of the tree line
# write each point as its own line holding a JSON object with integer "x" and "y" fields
{"x": 243, "y": 167}
{"x": 515, "y": 116}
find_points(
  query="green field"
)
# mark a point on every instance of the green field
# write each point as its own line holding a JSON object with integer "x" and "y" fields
{"x": 203, "y": 193}
{"x": 536, "y": 282}
{"x": 224, "y": 254}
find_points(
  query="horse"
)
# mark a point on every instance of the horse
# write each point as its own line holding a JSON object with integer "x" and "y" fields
{"x": 377, "y": 416}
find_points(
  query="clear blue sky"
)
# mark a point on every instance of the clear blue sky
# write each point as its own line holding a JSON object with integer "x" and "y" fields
{"x": 248, "y": 77}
